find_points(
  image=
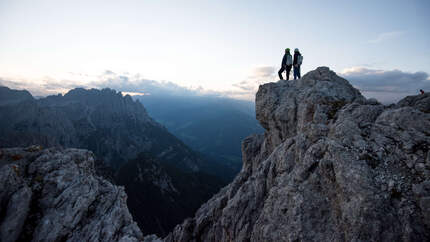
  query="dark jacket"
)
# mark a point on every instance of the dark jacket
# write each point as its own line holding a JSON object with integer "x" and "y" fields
{"x": 296, "y": 54}
{"x": 284, "y": 60}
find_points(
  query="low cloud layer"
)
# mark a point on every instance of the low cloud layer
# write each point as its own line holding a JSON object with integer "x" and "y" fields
{"x": 124, "y": 82}
{"x": 247, "y": 88}
{"x": 387, "y": 86}
{"x": 136, "y": 84}
{"x": 44, "y": 87}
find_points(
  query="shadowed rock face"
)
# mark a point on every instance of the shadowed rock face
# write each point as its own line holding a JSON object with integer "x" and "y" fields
{"x": 331, "y": 166}
{"x": 54, "y": 195}
{"x": 123, "y": 136}
{"x": 113, "y": 126}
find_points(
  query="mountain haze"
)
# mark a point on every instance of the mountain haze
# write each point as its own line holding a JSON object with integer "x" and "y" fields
{"x": 214, "y": 126}
{"x": 124, "y": 137}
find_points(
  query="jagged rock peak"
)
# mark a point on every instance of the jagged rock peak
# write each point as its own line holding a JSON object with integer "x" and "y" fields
{"x": 286, "y": 108}
{"x": 8, "y": 96}
{"x": 95, "y": 97}
{"x": 54, "y": 195}
{"x": 331, "y": 166}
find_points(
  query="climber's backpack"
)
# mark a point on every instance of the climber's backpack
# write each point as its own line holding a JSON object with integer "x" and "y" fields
{"x": 289, "y": 60}
{"x": 299, "y": 59}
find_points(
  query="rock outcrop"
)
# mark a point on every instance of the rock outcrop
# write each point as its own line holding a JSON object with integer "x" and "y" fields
{"x": 54, "y": 195}
{"x": 420, "y": 102}
{"x": 331, "y": 166}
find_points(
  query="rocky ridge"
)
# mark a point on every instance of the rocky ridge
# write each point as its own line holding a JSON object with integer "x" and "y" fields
{"x": 331, "y": 166}
{"x": 55, "y": 195}
{"x": 124, "y": 139}
{"x": 115, "y": 127}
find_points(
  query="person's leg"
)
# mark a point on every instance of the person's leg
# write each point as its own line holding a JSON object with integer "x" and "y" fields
{"x": 288, "y": 72}
{"x": 295, "y": 72}
{"x": 280, "y": 73}
{"x": 298, "y": 72}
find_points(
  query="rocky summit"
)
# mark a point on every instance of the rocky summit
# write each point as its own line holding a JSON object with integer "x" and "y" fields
{"x": 331, "y": 166}
{"x": 55, "y": 195}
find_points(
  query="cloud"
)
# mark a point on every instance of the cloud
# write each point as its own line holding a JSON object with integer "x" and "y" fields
{"x": 263, "y": 71}
{"x": 387, "y": 85}
{"x": 124, "y": 82}
{"x": 136, "y": 84}
{"x": 248, "y": 87}
{"x": 44, "y": 87}
{"x": 386, "y": 36}
{"x": 109, "y": 72}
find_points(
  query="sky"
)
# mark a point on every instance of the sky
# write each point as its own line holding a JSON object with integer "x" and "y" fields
{"x": 212, "y": 47}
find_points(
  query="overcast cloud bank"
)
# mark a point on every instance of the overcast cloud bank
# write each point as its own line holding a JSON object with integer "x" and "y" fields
{"x": 387, "y": 86}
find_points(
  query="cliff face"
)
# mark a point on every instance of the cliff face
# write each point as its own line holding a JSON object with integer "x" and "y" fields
{"x": 54, "y": 195}
{"x": 331, "y": 166}
{"x": 113, "y": 126}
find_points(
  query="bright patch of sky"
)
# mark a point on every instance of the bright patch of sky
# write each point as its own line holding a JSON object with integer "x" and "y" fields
{"x": 215, "y": 45}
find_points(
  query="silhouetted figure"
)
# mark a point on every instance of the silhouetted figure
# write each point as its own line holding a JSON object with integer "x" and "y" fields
{"x": 298, "y": 59}
{"x": 421, "y": 91}
{"x": 287, "y": 62}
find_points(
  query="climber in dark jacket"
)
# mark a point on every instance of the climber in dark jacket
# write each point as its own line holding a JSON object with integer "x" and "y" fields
{"x": 286, "y": 64}
{"x": 298, "y": 59}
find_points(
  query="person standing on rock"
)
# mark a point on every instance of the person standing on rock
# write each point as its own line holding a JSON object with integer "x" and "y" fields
{"x": 298, "y": 59}
{"x": 287, "y": 62}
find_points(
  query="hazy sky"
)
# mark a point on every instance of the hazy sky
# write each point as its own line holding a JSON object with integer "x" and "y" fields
{"x": 216, "y": 45}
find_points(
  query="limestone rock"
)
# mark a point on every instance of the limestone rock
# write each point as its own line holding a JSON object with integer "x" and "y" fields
{"x": 421, "y": 102}
{"x": 331, "y": 166}
{"x": 54, "y": 195}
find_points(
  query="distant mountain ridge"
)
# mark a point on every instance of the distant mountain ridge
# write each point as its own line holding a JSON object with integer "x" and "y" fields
{"x": 121, "y": 133}
{"x": 9, "y": 96}
{"x": 113, "y": 126}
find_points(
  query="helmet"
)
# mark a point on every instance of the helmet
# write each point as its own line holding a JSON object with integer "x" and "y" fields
{"x": 287, "y": 50}
{"x": 296, "y": 50}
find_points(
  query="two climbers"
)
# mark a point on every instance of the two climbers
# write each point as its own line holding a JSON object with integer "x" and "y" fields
{"x": 288, "y": 62}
